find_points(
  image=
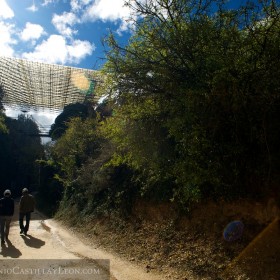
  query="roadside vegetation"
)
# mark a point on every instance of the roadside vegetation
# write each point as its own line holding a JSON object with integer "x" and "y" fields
{"x": 191, "y": 111}
{"x": 189, "y": 116}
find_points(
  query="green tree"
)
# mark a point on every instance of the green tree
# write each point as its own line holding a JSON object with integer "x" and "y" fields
{"x": 205, "y": 77}
{"x": 3, "y": 128}
{"x": 73, "y": 148}
{"x": 70, "y": 111}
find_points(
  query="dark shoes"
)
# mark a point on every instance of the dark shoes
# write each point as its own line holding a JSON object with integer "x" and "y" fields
{"x": 2, "y": 242}
{"x": 22, "y": 231}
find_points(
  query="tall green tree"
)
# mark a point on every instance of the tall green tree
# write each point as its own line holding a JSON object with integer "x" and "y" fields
{"x": 59, "y": 127}
{"x": 74, "y": 148}
{"x": 199, "y": 81}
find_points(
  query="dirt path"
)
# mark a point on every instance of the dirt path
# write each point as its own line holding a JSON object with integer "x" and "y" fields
{"x": 49, "y": 242}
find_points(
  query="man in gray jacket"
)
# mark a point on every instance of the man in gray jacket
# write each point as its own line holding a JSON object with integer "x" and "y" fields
{"x": 26, "y": 206}
{"x": 7, "y": 207}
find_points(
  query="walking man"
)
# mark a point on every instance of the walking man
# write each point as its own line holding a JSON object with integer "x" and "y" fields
{"x": 7, "y": 208}
{"x": 26, "y": 206}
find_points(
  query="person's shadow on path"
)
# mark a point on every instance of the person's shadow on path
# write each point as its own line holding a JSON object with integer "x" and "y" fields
{"x": 9, "y": 250}
{"x": 31, "y": 241}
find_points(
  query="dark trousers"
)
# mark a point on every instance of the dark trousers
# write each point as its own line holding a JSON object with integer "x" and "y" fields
{"x": 27, "y": 220}
{"x": 5, "y": 226}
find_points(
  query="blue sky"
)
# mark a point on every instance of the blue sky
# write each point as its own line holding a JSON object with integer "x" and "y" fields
{"x": 66, "y": 32}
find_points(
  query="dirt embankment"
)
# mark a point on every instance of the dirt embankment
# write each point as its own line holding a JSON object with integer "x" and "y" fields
{"x": 180, "y": 247}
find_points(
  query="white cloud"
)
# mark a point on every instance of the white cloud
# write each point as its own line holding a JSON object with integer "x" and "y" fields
{"x": 125, "y": 25}
{"x": 79, "y": 50}
{"x": 52, "y": 51}
{"x": 107, "y": 10}
{"x": 75, "y": 5}
{"x": 6, "y": 42}
{"x": 32, "y": 32}
{"x": 47, "y": 2}
{"x": 56, "y": 50}
{"x": 5, "y": 11}
{"x": 62, "y": 23}
{"x": 78, "y": 4}
{"x": 32, "y": 8}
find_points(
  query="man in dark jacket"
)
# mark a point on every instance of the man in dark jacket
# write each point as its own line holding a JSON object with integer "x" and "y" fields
{"x": 26, "y": 206}
{"x": 7, "y": 208}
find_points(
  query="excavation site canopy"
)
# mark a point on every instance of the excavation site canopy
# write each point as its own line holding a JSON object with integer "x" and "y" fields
{"x": 28, "y": 85}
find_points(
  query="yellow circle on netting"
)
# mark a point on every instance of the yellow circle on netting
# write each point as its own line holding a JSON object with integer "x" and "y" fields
{"x": 80, "y": 81}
